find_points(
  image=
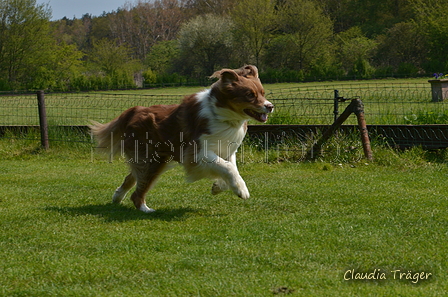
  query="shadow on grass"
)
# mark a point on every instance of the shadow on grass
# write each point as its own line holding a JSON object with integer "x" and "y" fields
{"x": 119, "y": 213}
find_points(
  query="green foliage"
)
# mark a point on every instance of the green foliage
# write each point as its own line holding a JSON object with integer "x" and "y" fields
{"x": 112, "y": 59}
{"x": 289, "y": 40}
{"x": 29, "y": 57}
{"x": 355, "y": 52}
{"x": 361, "y": 69}
{"x": 407, "y": 69}
{"x": 173, "y": 79}
{"x": 62, "y": 65}
{"x": 272, "y": 75}
{"x": 306, "y": 34}
{"x": 94, "y": 82}
{"x": 111, "y": 66}
{"x": 206, "y": 44}
{"x": 162, "y": 56}
{"x": 150, "y": 76}
{"x": 431, "y": 20}
{"x": 254, "y": 23}
{"x": 402, "y": 48}
{"x": 373, "y": 16}
{"x": 427, "y": 118}
{"x": 24, "y": 40}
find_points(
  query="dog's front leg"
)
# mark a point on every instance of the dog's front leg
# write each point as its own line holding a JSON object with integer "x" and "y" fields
{"x": 227, "y": 172}
{"x": 220, "y": 185}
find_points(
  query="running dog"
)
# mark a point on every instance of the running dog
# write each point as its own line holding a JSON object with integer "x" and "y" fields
{"x": 202, "y": 133}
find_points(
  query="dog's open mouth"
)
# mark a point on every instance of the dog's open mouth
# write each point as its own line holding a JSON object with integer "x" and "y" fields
{"x": 261, "y": 117}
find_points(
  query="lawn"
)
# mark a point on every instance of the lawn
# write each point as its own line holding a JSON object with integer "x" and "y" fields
{"x": 306, "y": 227}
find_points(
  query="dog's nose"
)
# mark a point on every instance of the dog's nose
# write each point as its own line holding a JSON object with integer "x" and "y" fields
{"x": 269, "y": 106}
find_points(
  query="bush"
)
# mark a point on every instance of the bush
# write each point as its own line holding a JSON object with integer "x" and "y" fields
{"x": 150, "y": 77}
{"x": 407, "y": 70}
{"x": 95, "y": 82}
{"x": 4, "y": 85}
{"x": 80, "y": 83}
{"x": 173, "y": 78}
{"x": 384, "y": 71}
{"x": 362, "y": 69}
{"x": 281, "y": 75}
{"x": 427, "y": 117}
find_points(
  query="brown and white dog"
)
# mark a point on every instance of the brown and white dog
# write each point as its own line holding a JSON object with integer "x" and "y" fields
{"x": 202, "y": 133}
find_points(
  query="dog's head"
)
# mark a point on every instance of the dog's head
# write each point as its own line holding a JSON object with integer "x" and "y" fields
{"x": 241, "y": 91}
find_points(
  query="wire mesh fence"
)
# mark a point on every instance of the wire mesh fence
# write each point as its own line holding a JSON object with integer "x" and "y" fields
{"x": 384, "y": 104}
{"x": 73, "y": 109}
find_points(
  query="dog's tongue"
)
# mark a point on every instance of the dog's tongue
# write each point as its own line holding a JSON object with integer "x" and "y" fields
{"x": 264, "y": 117}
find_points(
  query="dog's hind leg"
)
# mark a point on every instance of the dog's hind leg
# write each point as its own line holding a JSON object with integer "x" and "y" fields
{"x": 146, "y": 176}
{"x": 122, "y": 190}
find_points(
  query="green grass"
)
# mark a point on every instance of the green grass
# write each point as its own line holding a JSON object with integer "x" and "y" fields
{"x": 305, "y": 225}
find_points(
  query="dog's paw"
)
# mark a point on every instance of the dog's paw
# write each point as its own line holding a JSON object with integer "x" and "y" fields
{"x": 240, "y": 189}
{"x": 219, "y": 186}
{"x": 146, "y": 209}
{"x": 118, "y": 196}
{"x": 244, "y": 193}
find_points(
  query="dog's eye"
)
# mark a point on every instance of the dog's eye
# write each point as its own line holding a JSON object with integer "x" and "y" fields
{"x": 251, "y": 95}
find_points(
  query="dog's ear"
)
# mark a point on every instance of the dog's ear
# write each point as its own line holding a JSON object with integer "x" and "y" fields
{"x": 251, "y": 70}
{"x": 248, "y": 71}
{"x": 227, "y": 76}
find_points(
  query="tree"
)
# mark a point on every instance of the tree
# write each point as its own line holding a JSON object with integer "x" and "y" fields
{"x": 25, "y": 42}
{"x": 206, "y": 43}
{"x": 254, "y": 25}
{"x": 162, "y": 56}
{"x": 431, "y": 19}
{"x": 400, "y": 45}
{"x": 355, "y": 52}
{"x": 143, "y": 24}
{"x": 372, "y": 16}
{"x": 73, "y": 31}
{"x": 62, "y": 65}
{"x": 112, "y": 59}
{"x": 100, "y": 28}
{"x": 200, "y": 7}
{"x": 110, "y": 66}
{"x": 304, "y": 35}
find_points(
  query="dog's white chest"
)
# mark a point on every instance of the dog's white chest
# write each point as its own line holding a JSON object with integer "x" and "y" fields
{"x": 225, "y": 142}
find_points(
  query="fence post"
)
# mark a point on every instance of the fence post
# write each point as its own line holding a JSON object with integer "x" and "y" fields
{"x": 358, "y": 110}
{"x": 42, "y": 120}
{"x": 336, "y": 105}
{"x": 357, "y": 107}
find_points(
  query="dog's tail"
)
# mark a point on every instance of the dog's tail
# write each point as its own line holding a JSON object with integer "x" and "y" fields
{"x": 109, "y": 136}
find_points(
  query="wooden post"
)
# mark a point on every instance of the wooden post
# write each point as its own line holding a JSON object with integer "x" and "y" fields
{"x": 357, "y": 107}
{"x": 43, "y": 120}
{"x": 317, "y": 147}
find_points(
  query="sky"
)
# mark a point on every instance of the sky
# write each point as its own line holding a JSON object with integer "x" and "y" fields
{"x": 77, "y": 8}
